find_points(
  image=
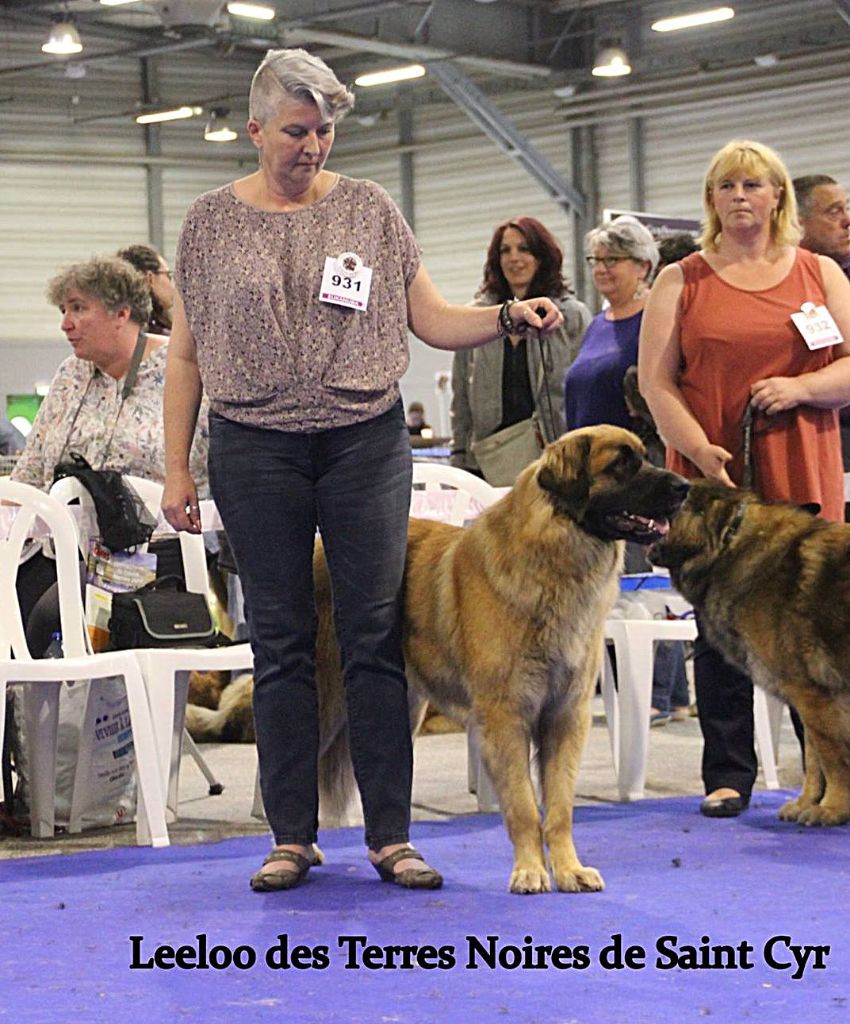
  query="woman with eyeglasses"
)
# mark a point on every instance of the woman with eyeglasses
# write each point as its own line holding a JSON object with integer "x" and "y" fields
{"x": 160, "y": 282}
{"x": 622, "y": 256}
{"x": 506, "y": 381}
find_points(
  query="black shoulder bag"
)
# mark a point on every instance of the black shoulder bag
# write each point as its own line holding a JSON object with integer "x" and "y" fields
{"x": 162, "y": 614}
{"x": 123, "y": 519}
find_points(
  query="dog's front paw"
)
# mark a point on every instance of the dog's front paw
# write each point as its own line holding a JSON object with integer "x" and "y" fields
{"x": 792, "y": 810}
{"x": 580, "y": 879}
{"x": 824, "y": 814}
{"x": 530, "y": 880}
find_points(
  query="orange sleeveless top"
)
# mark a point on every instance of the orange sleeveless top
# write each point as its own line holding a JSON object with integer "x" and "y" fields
{"x": 731, "y": 338}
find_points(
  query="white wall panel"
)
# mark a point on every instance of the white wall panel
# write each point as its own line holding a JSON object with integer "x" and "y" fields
{"x": 53, "y": 214}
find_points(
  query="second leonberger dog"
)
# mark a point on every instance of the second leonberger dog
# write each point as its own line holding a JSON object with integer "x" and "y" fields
{"x": 771, "y": 585}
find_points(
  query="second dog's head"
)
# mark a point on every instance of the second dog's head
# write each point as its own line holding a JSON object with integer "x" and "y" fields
{"x": 600, "y": 478}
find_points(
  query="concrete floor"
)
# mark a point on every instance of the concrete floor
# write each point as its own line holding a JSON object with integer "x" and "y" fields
{"x": 439, "y": 791}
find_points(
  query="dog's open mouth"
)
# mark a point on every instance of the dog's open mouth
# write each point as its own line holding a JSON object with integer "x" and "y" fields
{"x": 640, "y": 529}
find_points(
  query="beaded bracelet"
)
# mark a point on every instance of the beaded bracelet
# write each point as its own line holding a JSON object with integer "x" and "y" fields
{"x": 505, "y": 325}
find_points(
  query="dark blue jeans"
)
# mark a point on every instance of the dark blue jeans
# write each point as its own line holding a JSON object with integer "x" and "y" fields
{"x": 273, "y": 489}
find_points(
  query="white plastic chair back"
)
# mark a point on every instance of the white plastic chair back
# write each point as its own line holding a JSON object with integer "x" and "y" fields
{"x": 433, "y": 476}
{"x": 191, "y": 544}
{"x": 35, "y": 504}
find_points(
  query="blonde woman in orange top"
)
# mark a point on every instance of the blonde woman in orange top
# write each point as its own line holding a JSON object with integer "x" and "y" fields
{"x": 718, "y": 336}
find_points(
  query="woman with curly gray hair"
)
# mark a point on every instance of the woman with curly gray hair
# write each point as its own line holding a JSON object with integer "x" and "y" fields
{"x": 104, "y": 402}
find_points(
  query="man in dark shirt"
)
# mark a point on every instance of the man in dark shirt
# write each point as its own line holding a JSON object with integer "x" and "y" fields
{"x": 824, "y": 217}
{"x": 825, "y": 220}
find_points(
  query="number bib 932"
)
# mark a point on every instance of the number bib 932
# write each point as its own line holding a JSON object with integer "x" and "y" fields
{"x": 346, "y": 282}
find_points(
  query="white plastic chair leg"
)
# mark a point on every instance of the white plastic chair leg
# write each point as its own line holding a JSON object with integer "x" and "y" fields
{"x": 478, "y": 777}
{"x": 84, "y": 759}
{"x": 633, "y": 648}
{"x": 191, "y": 748}
{"x": 257, "y": 809}
{"x": 767, "y": 718}
{"x": 161, "y": 701}
{"x": 41, "y": 723}
{"x": 150, "y": 817}
{"x": 610, "y": 701}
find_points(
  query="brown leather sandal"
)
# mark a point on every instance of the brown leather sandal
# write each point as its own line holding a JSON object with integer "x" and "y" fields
{"x": 272, "y": 881}
{"x": 410, "y": 878}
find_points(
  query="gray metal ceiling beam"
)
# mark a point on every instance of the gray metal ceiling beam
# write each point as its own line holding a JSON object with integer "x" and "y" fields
{"x": 408, "y": 51}
{"x": 842, "y": 7}
{"x": 498, "y": 128}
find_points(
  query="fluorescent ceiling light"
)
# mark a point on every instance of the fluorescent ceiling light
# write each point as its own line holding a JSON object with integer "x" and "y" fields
{"x": 693, "y": 20}
{"x": 64, "y": 38}
{"x": 259, "y": 12}
{"x": 390, "y": 75}
{"x": 612, "y": 62}
{"x": 177, "y": 114}
{"x": 117, "y": 3}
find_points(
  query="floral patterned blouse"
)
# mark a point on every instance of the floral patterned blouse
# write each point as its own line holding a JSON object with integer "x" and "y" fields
{"x": 84, "y": 412}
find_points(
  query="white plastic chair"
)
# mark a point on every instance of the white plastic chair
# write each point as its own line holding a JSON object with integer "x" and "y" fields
{"x": 464, "y": 487}
{"x": 166, "y": 670}
{"x": 433, "y": 476}
{"x": 627, "y": 701}
{"x": 42, "y": 679}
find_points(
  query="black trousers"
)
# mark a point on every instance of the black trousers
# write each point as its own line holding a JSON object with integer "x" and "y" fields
{"x": 725, "y": 702}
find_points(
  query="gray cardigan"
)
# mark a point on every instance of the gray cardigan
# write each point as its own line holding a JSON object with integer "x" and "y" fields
{"x": 477, "y": 381}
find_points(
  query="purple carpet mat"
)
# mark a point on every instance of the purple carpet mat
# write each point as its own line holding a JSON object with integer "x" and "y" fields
{"x": 677, "y": 884}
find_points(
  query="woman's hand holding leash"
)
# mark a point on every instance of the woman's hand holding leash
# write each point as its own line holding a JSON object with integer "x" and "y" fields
{"x": 541, "y": 313}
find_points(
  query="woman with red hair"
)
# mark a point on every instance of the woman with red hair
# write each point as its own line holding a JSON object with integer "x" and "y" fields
{"x": 511, "y": 379}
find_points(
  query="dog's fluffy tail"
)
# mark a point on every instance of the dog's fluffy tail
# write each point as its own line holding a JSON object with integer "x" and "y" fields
{"x": 336, "y": 777}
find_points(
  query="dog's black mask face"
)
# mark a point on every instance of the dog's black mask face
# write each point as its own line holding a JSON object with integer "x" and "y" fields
{"x": 701, "y": 527}
{"x": 601, "y": 479}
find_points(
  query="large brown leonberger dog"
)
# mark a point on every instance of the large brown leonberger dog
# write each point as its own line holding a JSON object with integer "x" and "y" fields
{"x": 771, "y": 584}
{"x": 504, "y": 623}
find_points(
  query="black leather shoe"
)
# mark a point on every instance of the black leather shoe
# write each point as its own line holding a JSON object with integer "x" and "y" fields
{"x": 726, "y": 807}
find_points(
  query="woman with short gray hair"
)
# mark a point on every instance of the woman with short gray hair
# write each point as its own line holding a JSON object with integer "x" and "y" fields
{"x": 297, "y": 286}
{"x": 622, "y": 256}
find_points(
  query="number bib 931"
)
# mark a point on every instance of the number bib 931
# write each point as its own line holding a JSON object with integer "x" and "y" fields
{"x": 346, "y": 282}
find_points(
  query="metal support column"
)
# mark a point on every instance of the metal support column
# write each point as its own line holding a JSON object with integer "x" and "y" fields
{"x": 637, "y": 164}
{"x": 583, "y": 145}
{"x": 153, "y": 147}
{"x": 405, "y": 138}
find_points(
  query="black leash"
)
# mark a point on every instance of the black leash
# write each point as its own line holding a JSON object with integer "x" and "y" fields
{"x": 747, "y": 432}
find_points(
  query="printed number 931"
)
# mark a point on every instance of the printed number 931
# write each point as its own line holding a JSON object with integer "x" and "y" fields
{"x": 350, "y": 284}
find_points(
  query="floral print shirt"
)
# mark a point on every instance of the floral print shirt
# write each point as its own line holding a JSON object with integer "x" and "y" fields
{"x": 84, "y": 412}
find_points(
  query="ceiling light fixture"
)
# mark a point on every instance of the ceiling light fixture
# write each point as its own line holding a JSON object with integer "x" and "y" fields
{"x": 64, "y": 38}
{"x": 217, "y": 129}
{"x": 175, "y": 114}
{"x": 258, "y": 12}
{"x": 693, "y": 20}
{"x": 611, "y": 62}
{"x": 117, "y": 3}
{"x": 401, "y": 74}
{"x": 766, "y": 60}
